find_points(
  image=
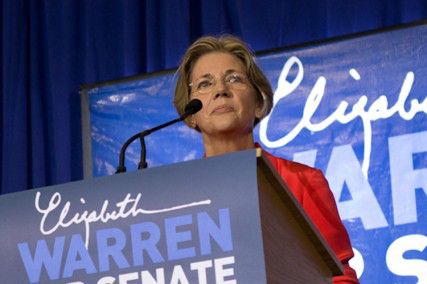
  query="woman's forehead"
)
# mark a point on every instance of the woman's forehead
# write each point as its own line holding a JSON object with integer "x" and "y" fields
{"x": 215, "y": 63}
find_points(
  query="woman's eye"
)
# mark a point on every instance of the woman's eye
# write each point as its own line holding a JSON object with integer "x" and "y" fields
{"x": 234, "y": 79}
{"x": 204, "y": 84}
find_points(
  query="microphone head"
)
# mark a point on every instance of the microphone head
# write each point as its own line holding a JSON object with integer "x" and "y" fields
{"x": 192, "y": 107}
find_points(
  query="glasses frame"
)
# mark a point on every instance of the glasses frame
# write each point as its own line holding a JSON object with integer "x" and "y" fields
{"x": 241, "y": 83}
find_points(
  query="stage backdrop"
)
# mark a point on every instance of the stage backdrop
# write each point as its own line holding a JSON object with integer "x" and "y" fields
{"x": 354, "y": 107}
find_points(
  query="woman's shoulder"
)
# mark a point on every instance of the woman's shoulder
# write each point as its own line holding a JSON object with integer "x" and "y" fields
{"x": 291, "y": 166}
{"x": 300, "y": 178}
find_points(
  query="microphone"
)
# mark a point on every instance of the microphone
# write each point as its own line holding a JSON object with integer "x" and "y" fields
{"x": 191, "y": 108}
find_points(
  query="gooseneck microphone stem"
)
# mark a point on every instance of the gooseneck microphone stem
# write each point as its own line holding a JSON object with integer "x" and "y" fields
{"x": 121, "y": 168}
{"x": 191, "y": 108}
{"x": 143, "y": 158}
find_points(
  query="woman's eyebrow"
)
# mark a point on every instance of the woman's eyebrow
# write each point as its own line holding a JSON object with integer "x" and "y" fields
{"x": 227, "y": 72}
{"x": 207, "y": 75}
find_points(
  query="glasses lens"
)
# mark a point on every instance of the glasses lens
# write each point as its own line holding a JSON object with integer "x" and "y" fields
{"x": 235, "y": 80}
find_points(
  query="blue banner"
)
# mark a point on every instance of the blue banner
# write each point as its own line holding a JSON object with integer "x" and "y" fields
{"x": 355, "y": 108}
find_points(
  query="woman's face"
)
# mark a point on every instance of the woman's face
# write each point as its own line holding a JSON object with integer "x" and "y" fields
{"x": 219, "y": 80}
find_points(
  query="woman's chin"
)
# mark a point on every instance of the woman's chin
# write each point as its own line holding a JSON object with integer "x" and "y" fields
{"x": 226, "y": 129}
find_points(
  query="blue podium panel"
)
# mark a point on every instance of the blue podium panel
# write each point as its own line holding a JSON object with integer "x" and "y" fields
{"x": 177, "y": 224}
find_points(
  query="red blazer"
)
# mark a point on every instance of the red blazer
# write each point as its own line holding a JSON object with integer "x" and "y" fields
{"x": 311, "y": 189}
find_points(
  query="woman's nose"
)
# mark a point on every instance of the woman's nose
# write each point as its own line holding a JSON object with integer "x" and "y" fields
{"x": 221, "y": 89}
{"x": 223, "y": 93}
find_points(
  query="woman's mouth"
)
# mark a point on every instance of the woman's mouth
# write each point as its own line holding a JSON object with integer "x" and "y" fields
{"x": 223, "y": 109}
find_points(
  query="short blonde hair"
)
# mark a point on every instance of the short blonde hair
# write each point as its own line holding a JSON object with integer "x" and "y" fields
{"x": 228, "y": 44}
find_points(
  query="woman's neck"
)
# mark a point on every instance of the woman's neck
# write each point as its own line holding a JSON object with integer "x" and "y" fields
{"x": 221, "y": 145}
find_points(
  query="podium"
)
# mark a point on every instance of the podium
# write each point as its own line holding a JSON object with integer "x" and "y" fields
{"x": 227, "y": 219}
{"x": 294, "y": 250}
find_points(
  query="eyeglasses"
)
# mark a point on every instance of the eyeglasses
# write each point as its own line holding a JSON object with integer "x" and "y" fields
{"x": 205, "y": 85}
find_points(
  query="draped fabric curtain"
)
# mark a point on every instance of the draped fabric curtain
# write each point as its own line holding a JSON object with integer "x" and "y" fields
{"x": 50, "y": 48}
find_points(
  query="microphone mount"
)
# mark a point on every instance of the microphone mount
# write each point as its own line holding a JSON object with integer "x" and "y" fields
{"x": 191, "y": 108}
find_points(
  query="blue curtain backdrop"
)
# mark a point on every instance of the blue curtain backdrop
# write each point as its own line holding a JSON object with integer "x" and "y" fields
{"x": 50, "y": 48}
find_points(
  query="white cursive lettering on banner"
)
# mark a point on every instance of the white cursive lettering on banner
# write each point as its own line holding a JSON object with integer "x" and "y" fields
{"x": 379, "y": 109}
{"x": 121, "y": 210}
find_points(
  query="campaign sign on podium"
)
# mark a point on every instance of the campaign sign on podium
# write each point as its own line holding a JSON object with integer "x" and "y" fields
{"x": 193, "y": 222}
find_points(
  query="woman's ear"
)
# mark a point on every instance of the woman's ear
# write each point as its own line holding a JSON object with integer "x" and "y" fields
{"x": 260, "y": 102}
{"x": 259, "y": 109}
{"x": 193, "y": 122}
{"x": 258, "y": 112}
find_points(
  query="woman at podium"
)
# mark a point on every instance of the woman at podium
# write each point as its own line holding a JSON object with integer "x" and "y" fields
{"x": 236, "y": 95}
